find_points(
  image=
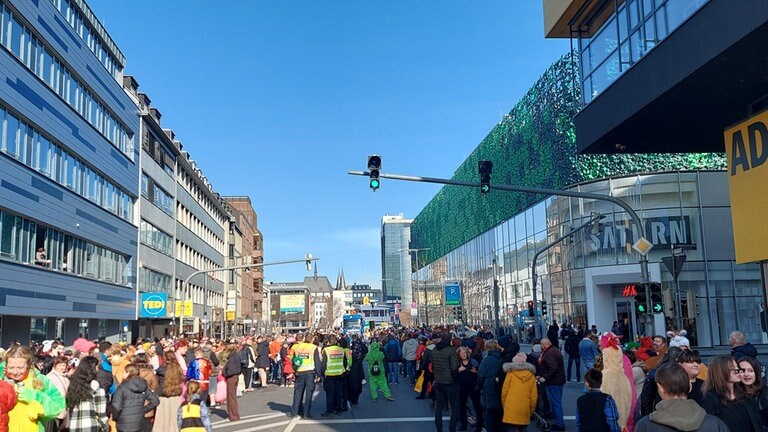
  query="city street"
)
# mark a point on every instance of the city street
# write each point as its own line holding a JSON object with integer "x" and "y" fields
{"x": 266, "y": 410}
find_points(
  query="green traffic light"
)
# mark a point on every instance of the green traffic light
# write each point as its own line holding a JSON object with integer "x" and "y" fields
{"x": 374, "y": 184}
{"x": 641, "y": 308}
{"x": 657, "y": 307}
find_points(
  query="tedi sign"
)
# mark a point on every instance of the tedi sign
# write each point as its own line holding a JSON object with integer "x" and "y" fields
{"x": 746, "y": 146}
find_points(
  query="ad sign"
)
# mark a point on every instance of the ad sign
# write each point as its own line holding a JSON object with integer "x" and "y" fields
{"x": 292, "y": 303}
{"x": 153, "y": 305}
{"x": 452, "y": 294}
{"x": 746, "y": 147}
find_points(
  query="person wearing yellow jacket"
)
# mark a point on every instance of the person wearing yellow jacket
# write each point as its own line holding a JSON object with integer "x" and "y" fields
{"x": 519, "y": 395}
{"x": 38, "y": 398}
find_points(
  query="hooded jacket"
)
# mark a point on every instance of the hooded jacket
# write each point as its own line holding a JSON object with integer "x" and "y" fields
{"x": 128, "y": 407}
{"x": 518, "y": 395}
{"x": 680, "y": 415}
{"x": 375, "y": 355}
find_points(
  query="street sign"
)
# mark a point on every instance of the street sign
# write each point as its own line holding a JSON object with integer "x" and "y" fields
{"x": 684, "y": 246}
{"x": 452, "y": 294}
{"x": 643, "y": 246}
{"x": 674, "y": 264}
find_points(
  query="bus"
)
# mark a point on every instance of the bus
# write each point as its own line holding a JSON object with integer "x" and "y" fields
{"x": 352, "y": 324}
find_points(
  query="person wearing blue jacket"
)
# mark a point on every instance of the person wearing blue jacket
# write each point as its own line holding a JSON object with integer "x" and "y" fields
{"x": 490, "y": 391}
{"x": 588, "y": 353}
{"x": 392, "y": 354}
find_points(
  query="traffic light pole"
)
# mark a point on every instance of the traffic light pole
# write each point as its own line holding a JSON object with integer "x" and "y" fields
{"x": 536, "y": 324}
{"x": 642, "y": 260}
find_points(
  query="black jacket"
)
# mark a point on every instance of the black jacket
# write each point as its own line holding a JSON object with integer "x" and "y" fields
{"x": 262, "y": 351}
{"x": 128, "y": 406}
{"x": 746, "y": 350}
{"x": 445, "y": 364}
{"x": 232, "y": 367}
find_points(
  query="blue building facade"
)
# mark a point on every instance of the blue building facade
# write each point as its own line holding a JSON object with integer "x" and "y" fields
{"x": 68, "y": 176}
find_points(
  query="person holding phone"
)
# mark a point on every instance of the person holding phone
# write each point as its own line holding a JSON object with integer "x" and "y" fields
{"x": 467, "y": 382}
{"x": 38, "y": 399}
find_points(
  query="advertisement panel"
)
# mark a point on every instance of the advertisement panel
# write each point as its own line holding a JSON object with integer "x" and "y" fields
{"x": 746, "y": 147}
{"x": 153, "y": 305}
{"x": 292, "y": 303}
{"x": 452, "y": 294}
{"x": 187, "y": 308}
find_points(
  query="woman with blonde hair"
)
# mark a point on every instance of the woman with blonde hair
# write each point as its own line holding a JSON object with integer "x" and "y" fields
{"x": 38, "y": 399}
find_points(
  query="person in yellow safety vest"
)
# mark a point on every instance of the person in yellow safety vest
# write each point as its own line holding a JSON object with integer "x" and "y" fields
{"x": 344, "y": 344}
{"x": 305, "y": 356}
{"x": 332, "y": 368}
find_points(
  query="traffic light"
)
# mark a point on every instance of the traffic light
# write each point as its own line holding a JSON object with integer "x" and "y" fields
{"x": 656, "y": 298}
{"x": 484, "y": 168}
{"x": 530, "y": 308}
{"x": 641, "y": 301}
{"x": 543, "y": 307}
{"x": 374, "y": 165}
{"x": 459, "y": 314}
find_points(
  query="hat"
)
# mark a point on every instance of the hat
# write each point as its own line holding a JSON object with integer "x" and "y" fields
{"x": 679, "y": 341}
{"x": 519, "y": 358}
{"x": 83, "y": 345}
{"x": 630, "y": 345}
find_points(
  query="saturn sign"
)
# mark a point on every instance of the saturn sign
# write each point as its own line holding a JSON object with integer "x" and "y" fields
{"x": 153, "y": 305}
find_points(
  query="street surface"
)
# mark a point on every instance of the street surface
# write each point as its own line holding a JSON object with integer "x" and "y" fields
{"x": 266, "y": 410}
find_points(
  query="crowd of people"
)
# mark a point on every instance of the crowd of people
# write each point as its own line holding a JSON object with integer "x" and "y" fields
{"x": 486, "y": 383}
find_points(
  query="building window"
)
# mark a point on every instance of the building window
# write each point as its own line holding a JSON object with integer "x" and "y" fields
{"x": 25, "y": 144}
{"x": 20, "y": 41}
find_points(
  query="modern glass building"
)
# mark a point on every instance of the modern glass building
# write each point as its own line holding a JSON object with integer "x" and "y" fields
{"x": 682, "y": 198}
{"x": 69, "y": 170}
{"x": 396, "y": 261}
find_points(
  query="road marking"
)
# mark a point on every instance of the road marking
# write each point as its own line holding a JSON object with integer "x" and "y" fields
{"x": 369, "y": 420}
{"x": 291, "y": 425}
{"x": 249, "y": 419}
{"x": 266, "y": 426}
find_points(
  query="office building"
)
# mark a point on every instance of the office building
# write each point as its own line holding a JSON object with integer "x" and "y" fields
{"x": 69, "y": 164}
{"x": 396, "y": 260}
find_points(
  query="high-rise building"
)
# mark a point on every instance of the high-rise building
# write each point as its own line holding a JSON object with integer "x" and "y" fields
{"x": 396, "y": 260}
{"x": 70, "y": 176}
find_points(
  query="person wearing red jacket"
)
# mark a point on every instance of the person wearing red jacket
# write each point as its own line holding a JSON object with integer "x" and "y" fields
{"x": 200, "y": 370}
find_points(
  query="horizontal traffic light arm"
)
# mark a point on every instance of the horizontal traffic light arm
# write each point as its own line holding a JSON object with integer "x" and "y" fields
{"x": 526, "y": 189}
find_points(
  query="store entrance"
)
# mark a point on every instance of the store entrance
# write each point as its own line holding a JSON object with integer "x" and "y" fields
{"x": 625, "y": 319}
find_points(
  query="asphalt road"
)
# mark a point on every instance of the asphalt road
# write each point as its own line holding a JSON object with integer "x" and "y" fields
{"x": 267, "y": 409}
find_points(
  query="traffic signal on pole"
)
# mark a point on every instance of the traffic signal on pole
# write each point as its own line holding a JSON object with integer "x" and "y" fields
{"x": 543, "y": 307}
{"x": 656, "y": 298}
{"x": 641, "y": 301}
{"x": 484, "y": 168}
{"x": 459, "y": 314}
{"x": 530, "y": 308}
{"x": 374, "y": 165}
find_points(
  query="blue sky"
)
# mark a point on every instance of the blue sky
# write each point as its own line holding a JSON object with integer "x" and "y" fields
{"x": 277, "y": 100}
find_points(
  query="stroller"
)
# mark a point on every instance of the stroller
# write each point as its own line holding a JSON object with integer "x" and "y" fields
{"x": 543, "y": 410}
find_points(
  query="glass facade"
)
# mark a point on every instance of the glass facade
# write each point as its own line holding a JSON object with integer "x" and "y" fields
{"x": 582, "y": 278}
{"x": 627, "y": 36}
{"x": 395, "y": 259}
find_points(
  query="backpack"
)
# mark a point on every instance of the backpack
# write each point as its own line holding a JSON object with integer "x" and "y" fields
{"x": 375, "y": 369}
{"x": 244, "y": 357}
